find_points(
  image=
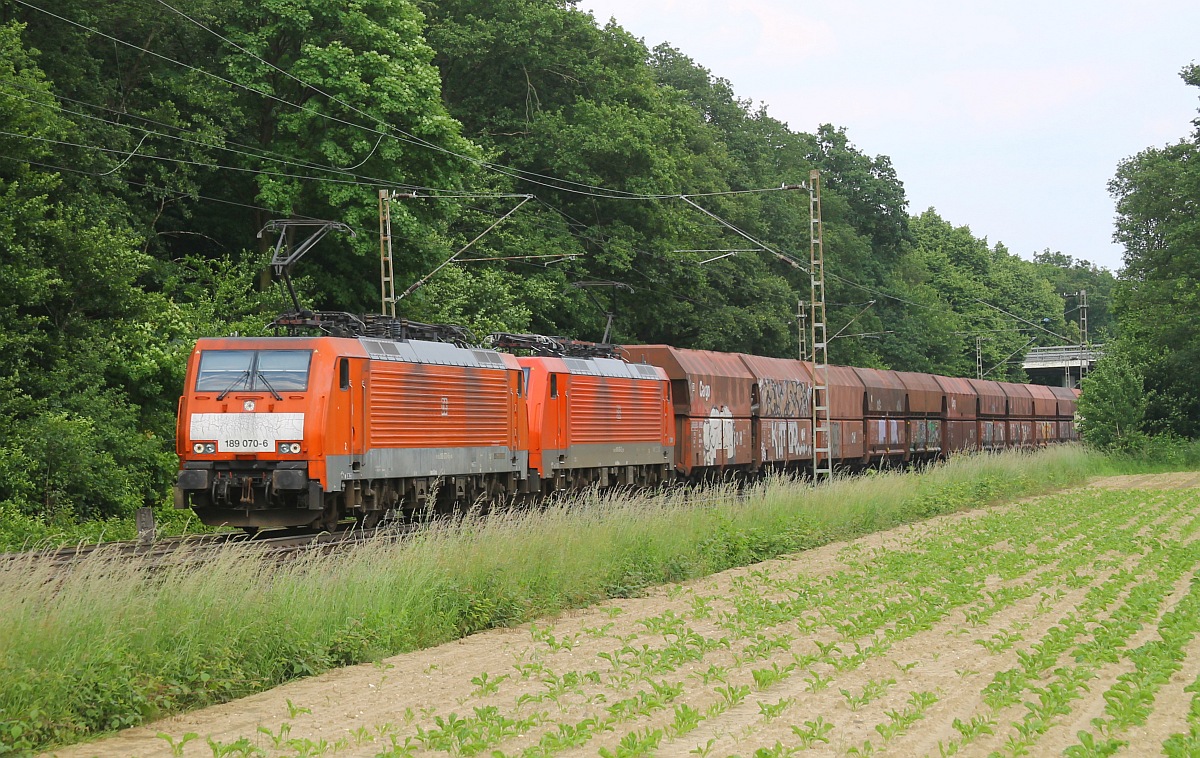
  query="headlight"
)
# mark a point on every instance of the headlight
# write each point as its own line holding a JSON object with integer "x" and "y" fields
{"x": 289, "y": 447}
{"x": 198, "y": 447}
{"x": 210, "y": 447}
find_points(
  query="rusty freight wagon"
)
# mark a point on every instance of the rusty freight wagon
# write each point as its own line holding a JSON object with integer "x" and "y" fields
{"x": 1020, "y": 414}
{"x": 781, "y": 412}
{"x": 924, "y": 398}
{"x": 1068, "y": 403}
{"x": 711, "y": 393}
{"x": 960, "y": 404}
{"x": 1045, "y": 414}
{"x": 885, "y": 412}
{"x": 992, "y": 413}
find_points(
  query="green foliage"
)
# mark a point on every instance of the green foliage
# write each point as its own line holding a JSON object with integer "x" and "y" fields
{"x": 1158, "y": 299}
{"x": 1070, "y": 275}
{"x": 1113, "y": 403}
{"x": 969, "y": 277}
{"x": 87, "y": 355}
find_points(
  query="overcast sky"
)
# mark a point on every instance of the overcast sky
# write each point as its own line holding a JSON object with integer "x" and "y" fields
{"x": 1007, "y": 117}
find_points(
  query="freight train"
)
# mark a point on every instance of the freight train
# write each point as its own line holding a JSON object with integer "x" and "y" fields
{"x": 305, "y": 431}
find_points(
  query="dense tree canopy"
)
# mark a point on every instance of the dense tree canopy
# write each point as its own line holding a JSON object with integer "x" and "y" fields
{"x": 1158, "y": 299}
{"x": 144, "y": 144}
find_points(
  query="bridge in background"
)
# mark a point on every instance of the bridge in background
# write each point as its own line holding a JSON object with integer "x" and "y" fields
{"x": 1067, "y": 363}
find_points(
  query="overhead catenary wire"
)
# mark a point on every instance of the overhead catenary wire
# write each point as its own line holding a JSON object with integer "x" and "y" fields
{"x": 505, "y": 195}
{"x": 521, "y": 259}
{"x": 148, "y": 185}
{"x": 1009, "y": 356}
{"x": 516, "y": 259}
{"x": 1025, "y": 321}
{"x": 128, "y": 158}
{"x": 266, "y": 155}
{"x": 792, "y": 261}
{"x": 788, "y": 259}
{"x": 186, "y": 161}
{"x": 897, "y": 298}
{"x": 390, "y": 130}
{"x": 410, "y": 137}
{"x": 857, "y": 316}
{"x": 224, "y": 145}
{"x": 420, "y": 282}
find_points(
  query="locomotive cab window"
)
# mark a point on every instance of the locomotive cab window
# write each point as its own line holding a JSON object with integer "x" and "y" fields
{"x": 553, "y": 386}
{"x": 344, "y": 373}
{"x": 282, "y": 369}
{"x": 253, "y": 370}
{"x": 220, "y": 369}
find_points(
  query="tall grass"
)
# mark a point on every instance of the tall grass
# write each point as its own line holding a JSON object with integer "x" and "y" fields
{"x": 21, "y": 531}
{"x": 114, "y": 643}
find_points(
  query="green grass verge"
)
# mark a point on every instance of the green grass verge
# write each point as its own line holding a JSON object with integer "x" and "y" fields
{"x": 20, "y": 531}
{"x": 113, "y": 644}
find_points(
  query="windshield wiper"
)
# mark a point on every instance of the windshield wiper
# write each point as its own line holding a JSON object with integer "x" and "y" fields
{"x": 242, "y": 377}
{"x": 274, "y": 394}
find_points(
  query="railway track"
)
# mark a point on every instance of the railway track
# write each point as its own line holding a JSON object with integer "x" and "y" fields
{"x": 176, "y": 550}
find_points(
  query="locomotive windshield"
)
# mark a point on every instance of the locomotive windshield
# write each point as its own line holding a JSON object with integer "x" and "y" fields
{"x": 253, "y": 370}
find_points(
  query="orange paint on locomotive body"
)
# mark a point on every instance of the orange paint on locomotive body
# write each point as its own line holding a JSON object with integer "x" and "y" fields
{"x": 598, "y": 419}
{"x": 242, "y": 419}
{"x": 374, "y": 424}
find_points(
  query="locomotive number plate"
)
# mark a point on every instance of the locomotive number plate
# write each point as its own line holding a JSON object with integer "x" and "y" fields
{"x": 247, "y": 432}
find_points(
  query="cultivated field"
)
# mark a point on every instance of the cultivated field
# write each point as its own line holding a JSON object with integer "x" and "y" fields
{"x": 1065, "y": 624}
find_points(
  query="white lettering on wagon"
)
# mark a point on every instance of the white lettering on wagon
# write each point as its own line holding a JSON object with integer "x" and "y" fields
{"x": 717, "y": 437}
{"x": 247, "y": 432}
{"x": 786, "y": 437}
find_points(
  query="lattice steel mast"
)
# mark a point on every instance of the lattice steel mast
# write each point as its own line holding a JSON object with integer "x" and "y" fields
{"x": 822, "y": 442}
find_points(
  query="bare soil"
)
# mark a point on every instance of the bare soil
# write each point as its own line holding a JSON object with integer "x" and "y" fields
{"x": 696, "y": 648}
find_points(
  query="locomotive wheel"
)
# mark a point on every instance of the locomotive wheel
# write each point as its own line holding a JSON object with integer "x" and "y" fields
{"x": 328, "y": 520}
